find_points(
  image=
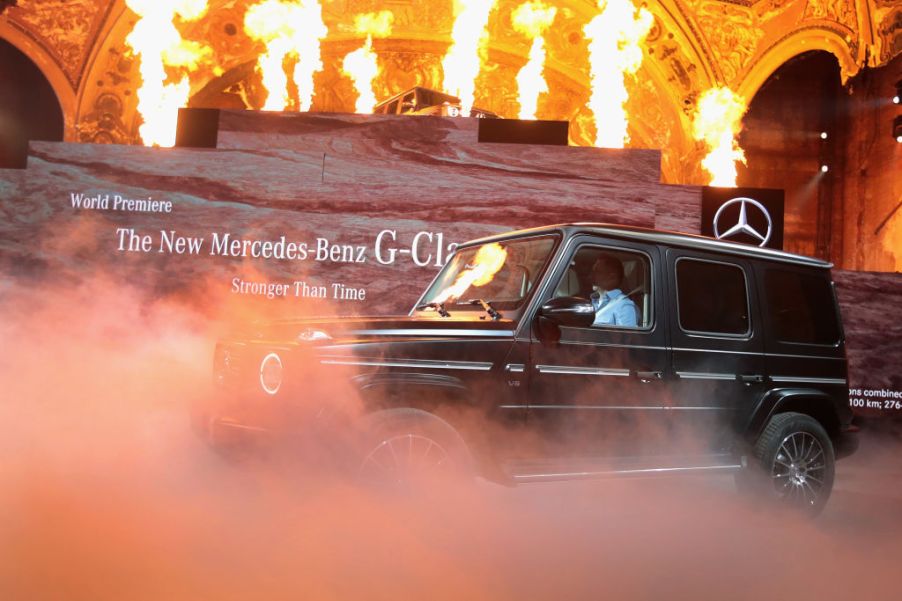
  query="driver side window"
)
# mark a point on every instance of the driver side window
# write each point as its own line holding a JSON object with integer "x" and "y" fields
{"x": 617, "y": 282}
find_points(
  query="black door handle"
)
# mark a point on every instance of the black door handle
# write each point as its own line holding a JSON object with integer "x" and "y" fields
{"x": 749, "y": 379}
{"x": 648, "y": 376}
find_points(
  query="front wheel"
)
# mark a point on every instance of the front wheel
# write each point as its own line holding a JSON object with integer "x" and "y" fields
{"x": 409, "y": 447}
{"x": 795, "y": 462}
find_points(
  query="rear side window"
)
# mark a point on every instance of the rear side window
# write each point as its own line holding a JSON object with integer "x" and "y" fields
{"x": 801, "y": 307}
{"x": 712, "y": 297}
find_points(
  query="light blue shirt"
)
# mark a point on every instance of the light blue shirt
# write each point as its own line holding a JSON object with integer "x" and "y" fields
{"x": 614, "y": 308}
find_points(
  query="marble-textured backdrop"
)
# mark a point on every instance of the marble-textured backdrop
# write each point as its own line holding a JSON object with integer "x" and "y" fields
{"x": 871, "y": 306}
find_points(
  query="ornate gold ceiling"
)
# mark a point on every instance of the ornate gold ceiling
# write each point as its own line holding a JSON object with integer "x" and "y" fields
{"x": 693, "y": 45}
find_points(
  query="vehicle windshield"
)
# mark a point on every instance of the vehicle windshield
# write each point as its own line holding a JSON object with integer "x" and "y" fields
{"x": 499, "y": 273}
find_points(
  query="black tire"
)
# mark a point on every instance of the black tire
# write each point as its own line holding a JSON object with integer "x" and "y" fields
{"x": 794, "y": 463}
{"x": 407, "y": 448}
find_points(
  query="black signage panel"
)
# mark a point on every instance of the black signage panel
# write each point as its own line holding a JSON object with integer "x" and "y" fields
{"x": 748, "y": 215}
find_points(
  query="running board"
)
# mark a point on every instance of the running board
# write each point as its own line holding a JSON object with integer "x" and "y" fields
{"x": 609, "y": 469}
{"x": 228, "y": 423}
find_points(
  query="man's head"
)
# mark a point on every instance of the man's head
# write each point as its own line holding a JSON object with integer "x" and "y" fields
{"x": 607, "y": 272}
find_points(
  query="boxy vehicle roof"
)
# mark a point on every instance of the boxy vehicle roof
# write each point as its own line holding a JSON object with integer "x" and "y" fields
{"x": 666, "y": 238}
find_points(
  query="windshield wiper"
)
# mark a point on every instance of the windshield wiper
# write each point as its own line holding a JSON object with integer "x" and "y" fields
{"x": 487, "y": 307}
{"x": 439, "y": 307}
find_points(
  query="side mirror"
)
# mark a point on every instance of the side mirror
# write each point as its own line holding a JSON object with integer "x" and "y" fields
{"x": 569, "y": 311}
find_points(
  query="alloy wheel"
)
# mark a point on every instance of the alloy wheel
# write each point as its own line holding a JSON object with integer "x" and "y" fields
{"x": 404, "y": 458}
{"x": 799, "y": 469}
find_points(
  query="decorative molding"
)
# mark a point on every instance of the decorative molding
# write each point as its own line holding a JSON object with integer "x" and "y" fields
{"x": 888, "y": 30}
{"x": 733, "y": 33}
{"x": 841, "y": 12}
{"x": 828, "y": 37}
{"x": 64, "y": 28}
{"x": 701, "y": 42}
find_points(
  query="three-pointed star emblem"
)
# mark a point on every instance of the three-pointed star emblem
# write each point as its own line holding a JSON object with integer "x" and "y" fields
{"x": 742, "y": 225}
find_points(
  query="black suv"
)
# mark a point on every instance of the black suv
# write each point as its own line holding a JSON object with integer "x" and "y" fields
{"x": 572, "y": 351}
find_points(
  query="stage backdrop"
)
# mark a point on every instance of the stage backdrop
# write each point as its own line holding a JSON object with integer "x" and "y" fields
{"x": 290, "y": 213}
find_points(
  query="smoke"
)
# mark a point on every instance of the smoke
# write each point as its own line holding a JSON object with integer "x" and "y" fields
{"x": 105, "y": 493}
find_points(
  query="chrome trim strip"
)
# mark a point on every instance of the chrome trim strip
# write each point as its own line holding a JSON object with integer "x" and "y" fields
{"x": 237, "y": 426}
{"x": 601, "y": 407}
{"x": 709, "y": 350}
{"x": 612, "y": 345}
{"x": 620, "y": 407}
{"x": 582, "y": 371}
{"x": 805, "y": 380}
{"x": 515, "y": 368}
{"x": 760, "y": 354}
{"x": 680, "y": 408}
{"x": 600, "y": 474}
{"x": 700, "y": 375}
{"x": 435, "y": 332}
{"x": 818, "y": 357}
{"x": 417, "y": 363}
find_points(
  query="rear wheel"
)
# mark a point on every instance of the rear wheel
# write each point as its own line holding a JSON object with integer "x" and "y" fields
{"x": 795, "y": 462}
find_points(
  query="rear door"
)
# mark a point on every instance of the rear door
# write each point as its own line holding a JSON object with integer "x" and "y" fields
{"x": 717, "y": 348}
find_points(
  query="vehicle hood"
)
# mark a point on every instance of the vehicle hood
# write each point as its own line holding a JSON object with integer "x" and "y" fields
{"x": 355, "y": 330}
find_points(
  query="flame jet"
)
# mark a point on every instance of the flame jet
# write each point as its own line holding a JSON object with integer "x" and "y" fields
{"x": 361, "y": 65}
{"x": 614, "y": 36}
{"x": 158, "y": 45}
{"x": 717, "y": 122}
{"x": 532, "y": 19}
{"x": 468, "y": 49}
{"x": 287, "y": 29}
{"x": 488, "y": 261}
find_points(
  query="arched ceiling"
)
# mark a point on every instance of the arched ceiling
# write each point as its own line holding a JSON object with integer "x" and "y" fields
{"x": 693, "y": 45}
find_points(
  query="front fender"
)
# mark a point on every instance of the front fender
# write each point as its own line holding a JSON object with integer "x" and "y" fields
{"x": 410, "y": 389}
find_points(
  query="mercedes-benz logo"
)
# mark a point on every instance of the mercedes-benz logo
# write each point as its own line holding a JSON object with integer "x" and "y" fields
{"x": 742, "y": 225}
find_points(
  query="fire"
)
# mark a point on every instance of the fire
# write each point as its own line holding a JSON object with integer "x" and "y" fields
{"x": 891, "y": 239}
{"x": 468, "y": 49}
{"x": 361, "y": 65}
{"x": 159, "y": 45}
{"x": 718, "y": 120}
{"x": 288, "y": 29}
{"x": 614, "y": 36}
{"x": 267, "y": 22}
{"x": 532, "y": 19}
{"x": 487, "y": 262}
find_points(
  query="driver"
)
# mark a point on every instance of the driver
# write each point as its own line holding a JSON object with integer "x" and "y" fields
{"x": 612, "y": 306}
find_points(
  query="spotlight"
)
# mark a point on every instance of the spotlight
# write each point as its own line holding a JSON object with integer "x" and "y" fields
{"x": 824, "y": 168}
{"x": 823, "y": 135}
{"x": 898, "y": 92}
{"x": 897, "y": 128}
